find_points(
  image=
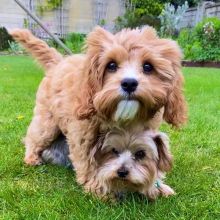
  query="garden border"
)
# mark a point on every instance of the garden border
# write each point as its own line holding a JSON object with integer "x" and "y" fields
{"x": 213, "y": 64}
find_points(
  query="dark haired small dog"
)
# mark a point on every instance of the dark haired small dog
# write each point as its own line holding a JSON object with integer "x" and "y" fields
{"x": 125, "y": 162}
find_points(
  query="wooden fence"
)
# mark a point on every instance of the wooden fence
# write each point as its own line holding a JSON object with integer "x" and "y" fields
{"x": 196, "y": 14}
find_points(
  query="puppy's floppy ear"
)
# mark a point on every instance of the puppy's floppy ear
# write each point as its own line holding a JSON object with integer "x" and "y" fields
{"x": 93, "y": 71}
{"x": 175, "y": 107}
{"x": 164, "y": 156}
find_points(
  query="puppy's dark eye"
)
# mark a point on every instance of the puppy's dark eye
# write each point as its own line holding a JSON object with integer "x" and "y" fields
{"x": 147, "y": 67}
{"x": 112, "y": 66}
{"x": 139, "y": 155}
{"x": 114, "y": 151}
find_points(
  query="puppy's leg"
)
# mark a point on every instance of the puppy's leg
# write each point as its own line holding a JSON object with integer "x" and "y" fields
{"x": 41, "y": 132}
{"x": 166, "y": 190}
{"x": 157, "y": 189}
{"x": 151, "y": 192}
{"x": 81, "y": 138}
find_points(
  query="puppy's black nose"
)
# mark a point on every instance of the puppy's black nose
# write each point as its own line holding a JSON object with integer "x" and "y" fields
{"x": 122, "y": 172}
{"x": 129, "y": 84}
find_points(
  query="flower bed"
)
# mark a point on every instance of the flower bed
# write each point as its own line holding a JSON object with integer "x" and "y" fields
{"x": 201, "y": 43}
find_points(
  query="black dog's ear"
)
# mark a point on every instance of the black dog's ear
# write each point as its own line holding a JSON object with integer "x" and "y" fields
{"x": 164, "y": 156}
{"x": 96, "y": 149}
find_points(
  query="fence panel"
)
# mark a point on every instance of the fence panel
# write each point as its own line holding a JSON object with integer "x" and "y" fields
{"x": 196, "y": 14}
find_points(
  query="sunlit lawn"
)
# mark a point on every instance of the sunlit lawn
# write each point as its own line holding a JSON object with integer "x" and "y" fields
{"x": 48, "y": 192}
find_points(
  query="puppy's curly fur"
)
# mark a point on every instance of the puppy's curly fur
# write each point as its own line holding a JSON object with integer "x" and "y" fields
{"x": 82, "y": 95}
{"x": 124, "y": 161}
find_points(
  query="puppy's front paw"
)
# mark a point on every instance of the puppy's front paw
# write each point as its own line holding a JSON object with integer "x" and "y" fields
{"x": 33, "y": 160}
{"x": 166, "y": 190}
{"x": 152, "y": 193}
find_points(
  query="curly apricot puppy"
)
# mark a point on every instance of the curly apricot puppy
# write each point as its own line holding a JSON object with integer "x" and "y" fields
{"x": 131, "y": 79}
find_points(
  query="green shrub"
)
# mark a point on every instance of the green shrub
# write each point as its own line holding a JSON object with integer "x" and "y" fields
{"x": 4, "y": 39}
{"x": 139, "y": 13}
{"x": 203, "y": 42}
{"x": 208, "y": 34}
{"x": 15, "y": 48}
{"x": 48, "y": 5}
{"x": 75, "y": 41}
{"x": 186, "y": 36}
{"x": 188, "y": 43}
{"x": 170, "y": 18}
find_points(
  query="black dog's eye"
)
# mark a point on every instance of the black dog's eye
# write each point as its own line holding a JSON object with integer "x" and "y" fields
{"x": 112, "y": 66}
{"x": 139, "y": 155}
{"x": 147, "y": 67}
{"x": 114, "y": 151}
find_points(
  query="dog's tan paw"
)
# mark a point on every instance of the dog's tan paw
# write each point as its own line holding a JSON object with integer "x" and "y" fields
{"x": 152, "y": 193}
{"x": 166, "y": 190}
{"x": 33, "y": 160}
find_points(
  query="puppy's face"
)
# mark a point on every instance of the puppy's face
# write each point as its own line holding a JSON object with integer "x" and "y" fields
{"x": 132, "y": 74}
{"x": 132, "y": 161}
{"x": 136, "y": 81}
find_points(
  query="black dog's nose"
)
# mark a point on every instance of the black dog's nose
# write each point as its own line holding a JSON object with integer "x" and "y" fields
{"x": 122, "y": 172}
{"x": 129, "y": 84}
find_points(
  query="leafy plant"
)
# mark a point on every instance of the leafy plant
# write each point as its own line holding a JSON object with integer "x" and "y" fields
{"x": 186, "y": 36}
{"x": 15, "y": 47}
{"x": 49, "y": 5}
{"x": 186, "y": 40}
{"x": 140, "y": 12}
{"x": 102, "y": 22}
{"x": 170, "y": 18}
{"x": 208, "y": 31}
{"x": 4, "y": 39}
{"x": 74, "y": 41}
{"x": 202, "y": 43}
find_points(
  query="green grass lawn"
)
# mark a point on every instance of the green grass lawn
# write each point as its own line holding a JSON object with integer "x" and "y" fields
{"x": 49, "y": 192}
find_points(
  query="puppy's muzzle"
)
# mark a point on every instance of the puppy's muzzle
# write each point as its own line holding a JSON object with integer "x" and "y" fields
{"x": 129, "y": 85}
{"x": 122, "y": 172}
